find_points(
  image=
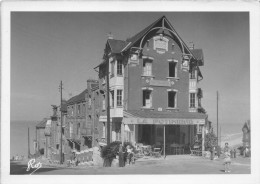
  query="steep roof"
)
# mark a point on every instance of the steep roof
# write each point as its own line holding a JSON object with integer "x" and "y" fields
{"x": 198, "y": 54}
{"x": 78, "y": 98}
{"x": 42, "y": 124}
{"x": 117, "y": 45}
{"x": 136, "y": 37}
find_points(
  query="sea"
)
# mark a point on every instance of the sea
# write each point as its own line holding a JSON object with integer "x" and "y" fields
{"x": 19, "y": 135}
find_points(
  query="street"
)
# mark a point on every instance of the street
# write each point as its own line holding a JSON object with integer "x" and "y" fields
{"x": 179, "y": 164}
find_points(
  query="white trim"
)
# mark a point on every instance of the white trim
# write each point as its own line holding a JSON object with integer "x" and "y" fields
{"x": 172, "y": 90}
{"x": 173, "y": 60}
{"x": 147, "y": 57}
{"x": 147, "y": 88}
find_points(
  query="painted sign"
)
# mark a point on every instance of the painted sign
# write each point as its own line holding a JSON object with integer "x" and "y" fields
{"x": 163, "y": 121}
{"x": 160, "y": 83}
{"x": 160, "y": 44}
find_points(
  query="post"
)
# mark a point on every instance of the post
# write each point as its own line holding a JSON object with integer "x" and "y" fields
{"x": 164, "y": 141}
{"x": 60, "y": 122}
{"x": 28, "y": 142}
{"x": 217, "y": 118}
{"x": 108, "y": 105}
{"x": 203, "y": 140}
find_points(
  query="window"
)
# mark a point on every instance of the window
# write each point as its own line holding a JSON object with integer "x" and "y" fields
{"x": 119, "y": 97}
{"x": 118, "y": 131}
{"x": 172, "y": 47}
{"x": 172, "y": 99}
{"x": 147, "y": 67}
{"x": 72, "y": 109}
{"x": 147, "y": 44}
{"x": 112, "y": 99}
{"x": 78, "y": 128}
{"x": 84, "y": 109}
{"x": 147, "y": 98}
{"x": 89, "y": 101}
{"x": 104, "y": 102}
{"x": 172, "y": 69}
{"x": 71, "y": 129}
{"x": 78, "y": 109}
{"x": 192, "y": 100}
{"x": 192, "y": 74}
{"x": 119, "y": 67}
{"x": 104, "y": 130}
{"x": 113, "y": 68}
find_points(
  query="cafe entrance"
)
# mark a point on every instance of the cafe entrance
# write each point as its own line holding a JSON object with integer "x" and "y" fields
{"x": 178, "y": 138}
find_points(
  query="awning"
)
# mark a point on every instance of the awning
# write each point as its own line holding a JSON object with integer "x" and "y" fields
{"x": 163, "y": 118}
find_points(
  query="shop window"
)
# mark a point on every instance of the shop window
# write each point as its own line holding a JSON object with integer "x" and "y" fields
{"x": 192, "y": 100}
{"x": 119, "y": 97}
{"x": 172, "y": 96}
{"x": 147, "y": 98}
{"x": 119, "y": 67}
{"x": 112, "y": 101}
{"x": 192, "y": 74}
{"x": 172, "y": 69}
{"x": 147, "y": 67}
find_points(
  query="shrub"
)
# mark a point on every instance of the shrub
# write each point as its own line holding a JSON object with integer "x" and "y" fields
{"x": 210, "y": 141}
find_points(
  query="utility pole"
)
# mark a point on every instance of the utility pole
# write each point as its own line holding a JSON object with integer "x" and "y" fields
{"x": 28, "y": 142}
{"x": 108, "y": 104}
{"x": 60, "y": 87}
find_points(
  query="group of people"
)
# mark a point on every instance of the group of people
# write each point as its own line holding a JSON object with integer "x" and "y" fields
{"x": 125, "y": 156}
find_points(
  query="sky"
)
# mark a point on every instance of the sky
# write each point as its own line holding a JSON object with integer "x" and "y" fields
{"x": 49, "y": 47}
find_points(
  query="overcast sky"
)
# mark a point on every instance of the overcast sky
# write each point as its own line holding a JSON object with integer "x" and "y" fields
{"x": 49, "y": 47}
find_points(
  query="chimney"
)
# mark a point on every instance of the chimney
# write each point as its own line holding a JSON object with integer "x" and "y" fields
{"x": 110, "y": 36}
{"x": 191, "y": 45}
{"x": 54, "y": 108}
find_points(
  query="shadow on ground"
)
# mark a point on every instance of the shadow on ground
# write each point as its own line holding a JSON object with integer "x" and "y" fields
{"x": 19, "y": 168}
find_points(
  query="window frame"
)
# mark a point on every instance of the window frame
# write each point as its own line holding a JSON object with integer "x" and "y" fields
{"x": 119, "y": 98}
{"x": 144, "y": 93}
{"x": 119, "y": 67}
{"x": 175, "y": 98}
{"x": 192, "y": 100}
{"x": 145, "y": 68}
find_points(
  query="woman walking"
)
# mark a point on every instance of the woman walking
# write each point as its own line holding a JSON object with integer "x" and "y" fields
{"x": 227, "y": 159}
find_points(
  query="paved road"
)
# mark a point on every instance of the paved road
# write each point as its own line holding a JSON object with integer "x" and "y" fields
{"x": 171, "y": 165}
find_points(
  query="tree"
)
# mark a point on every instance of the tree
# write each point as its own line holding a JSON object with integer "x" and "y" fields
{"x": 210, "y": 141}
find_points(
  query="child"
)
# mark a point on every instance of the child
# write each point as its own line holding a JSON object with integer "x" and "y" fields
{"x": 227, "y": 159}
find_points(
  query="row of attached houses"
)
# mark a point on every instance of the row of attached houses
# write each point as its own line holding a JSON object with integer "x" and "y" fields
{"x": 154, "y": 96}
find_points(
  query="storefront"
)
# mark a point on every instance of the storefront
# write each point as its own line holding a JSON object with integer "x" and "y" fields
{"x": 168, "y": 129}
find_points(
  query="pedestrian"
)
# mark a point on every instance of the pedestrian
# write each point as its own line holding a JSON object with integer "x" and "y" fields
{"x": 121, "y": 156}
{"x": 227, "y": 159}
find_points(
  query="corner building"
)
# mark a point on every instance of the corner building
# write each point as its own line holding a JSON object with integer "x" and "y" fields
{"x": 154, "y": 93}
